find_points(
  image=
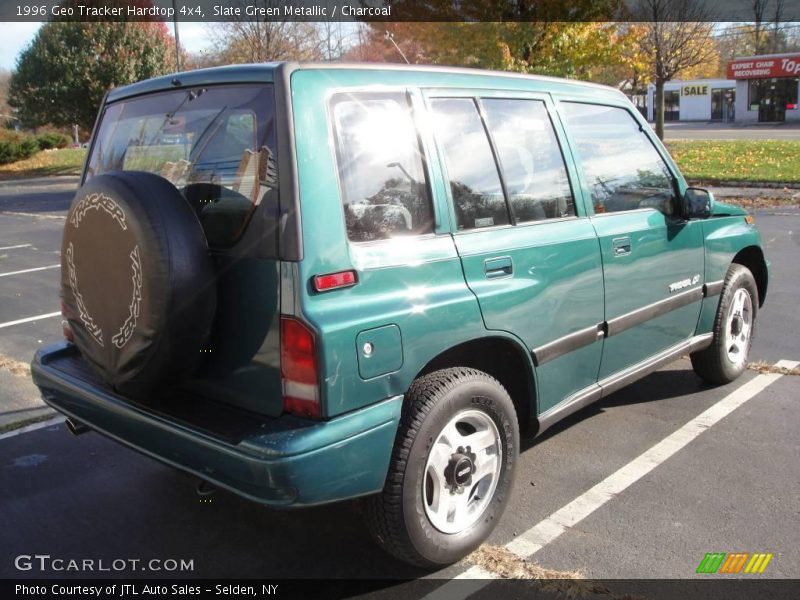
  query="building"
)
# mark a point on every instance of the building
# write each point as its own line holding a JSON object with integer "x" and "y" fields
{"x": 766, "y": 87}
{"x": 696, "y": 100}
{"x": 758, "y": 89}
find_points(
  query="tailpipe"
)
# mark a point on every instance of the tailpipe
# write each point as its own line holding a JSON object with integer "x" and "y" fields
{"x": 76, "y": 427}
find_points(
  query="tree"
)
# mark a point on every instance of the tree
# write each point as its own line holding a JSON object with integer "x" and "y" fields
{"x": 250, "y": 39}
{"x": 61, "y": 77}
{"x": 581, "y": 50}
{"x": 5, "y": 109}
{"x": 677, "y": 37}
{"x": 334, "y": 39}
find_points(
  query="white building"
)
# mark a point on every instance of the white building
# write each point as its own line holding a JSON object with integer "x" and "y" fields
{"x": 758, "y": 89}
{"x": 696, "y": 100}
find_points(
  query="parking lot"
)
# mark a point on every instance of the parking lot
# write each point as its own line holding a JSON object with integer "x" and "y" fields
{"x": 641, "y": 485}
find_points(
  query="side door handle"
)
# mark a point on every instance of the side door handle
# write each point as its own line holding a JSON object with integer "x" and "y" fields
{"x": 621, "y": 246}
{"x": 498, "y": 267}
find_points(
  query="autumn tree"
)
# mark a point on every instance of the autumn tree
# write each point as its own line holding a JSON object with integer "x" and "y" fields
{"x": 676, "y": 38}
{"x": 581, "y": 50}
{"x": 61, "y": 77}
{"x": 372, "y": 43}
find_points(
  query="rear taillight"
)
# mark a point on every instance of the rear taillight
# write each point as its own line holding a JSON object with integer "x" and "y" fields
{"x": 299, "y": 369}
{"x": 69, "y": 335}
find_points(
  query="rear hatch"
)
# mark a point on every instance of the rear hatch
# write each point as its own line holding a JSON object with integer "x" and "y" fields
{"x": 217, "y": 145}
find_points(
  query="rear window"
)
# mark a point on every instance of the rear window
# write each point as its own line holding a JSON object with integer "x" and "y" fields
{"x": 215, "y": 144}
{"x": 381, "y": 168}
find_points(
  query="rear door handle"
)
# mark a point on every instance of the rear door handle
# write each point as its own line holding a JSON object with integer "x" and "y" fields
{"x": 621, "y": 246}
{"x": 498, "y": 267}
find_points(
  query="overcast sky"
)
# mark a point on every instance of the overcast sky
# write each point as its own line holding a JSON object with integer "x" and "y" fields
{"x": 15, "y": 36}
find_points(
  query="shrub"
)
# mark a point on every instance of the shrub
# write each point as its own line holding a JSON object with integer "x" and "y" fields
{"x": 14, "y": 147}
{"x": 51, "y": 140}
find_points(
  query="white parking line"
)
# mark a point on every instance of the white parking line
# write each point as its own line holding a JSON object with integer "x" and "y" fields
{"x": 29, "y": 270}
{"x": 49, "y": 423}
{"x": 34, "y": 215}
{"x": 452, "y": 589}
{"x": 29, "y": 319}
{"x": 549, "y": 529}
{"x": 15, "y": 247}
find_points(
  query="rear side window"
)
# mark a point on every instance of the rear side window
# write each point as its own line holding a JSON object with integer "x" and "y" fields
{"x": 215, "y": 144}
{"x": 474, "y": 181}
{"x": 530, "y": 158}
{"x": 624, "y": 170}
{"x": 381, "y": 167}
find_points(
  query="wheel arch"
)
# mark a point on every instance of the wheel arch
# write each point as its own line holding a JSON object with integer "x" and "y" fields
{"x": 504, "y": 359}
{"x": 752, "y": 257}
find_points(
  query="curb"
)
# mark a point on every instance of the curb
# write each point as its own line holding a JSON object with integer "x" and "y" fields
{"x": 746, "y": 184}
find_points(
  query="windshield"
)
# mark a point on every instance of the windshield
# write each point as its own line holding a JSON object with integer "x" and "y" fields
{"x": 215, "y": 144}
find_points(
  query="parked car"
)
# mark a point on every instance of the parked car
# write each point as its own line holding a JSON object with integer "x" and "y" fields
{"x": 329, "y": 282}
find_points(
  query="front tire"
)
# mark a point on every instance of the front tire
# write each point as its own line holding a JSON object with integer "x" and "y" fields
{"x": 726, "y": 358}
{"x": 452, "y": 469}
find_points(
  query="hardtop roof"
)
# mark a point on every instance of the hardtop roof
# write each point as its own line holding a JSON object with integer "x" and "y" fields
{"x": 268, "y": 73}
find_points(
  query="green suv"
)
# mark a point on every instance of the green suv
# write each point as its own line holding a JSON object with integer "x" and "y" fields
{"x": 306, "y": 283}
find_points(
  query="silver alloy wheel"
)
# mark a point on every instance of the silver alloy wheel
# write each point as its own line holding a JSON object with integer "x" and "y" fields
{"x": 454, "y": 498}
{"x": 739, "y": 326}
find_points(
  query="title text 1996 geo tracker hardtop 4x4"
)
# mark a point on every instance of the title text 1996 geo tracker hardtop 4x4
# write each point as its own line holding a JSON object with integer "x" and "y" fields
{"x": 306, "y": 283}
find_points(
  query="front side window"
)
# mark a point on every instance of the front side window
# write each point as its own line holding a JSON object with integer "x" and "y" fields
{"x": 381, "y": 168}
{"x": 215, "y": 144}
{"x": 623, "y": 168}
{"x": 530, "y": 158}
{"x": 474, "y": 181}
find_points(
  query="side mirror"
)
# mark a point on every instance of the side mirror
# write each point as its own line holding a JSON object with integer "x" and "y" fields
{"x": 697, "y": 203}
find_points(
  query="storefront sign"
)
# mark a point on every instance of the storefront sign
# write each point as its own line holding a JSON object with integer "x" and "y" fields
{"x": 765, "y": 67}
{"x": 694, "y": 90}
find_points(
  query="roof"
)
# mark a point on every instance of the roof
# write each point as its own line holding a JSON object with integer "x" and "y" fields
{"x": 266, "y": 73}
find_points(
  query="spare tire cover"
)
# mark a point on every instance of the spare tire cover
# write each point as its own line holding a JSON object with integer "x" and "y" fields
{"x": 137, "y": 280}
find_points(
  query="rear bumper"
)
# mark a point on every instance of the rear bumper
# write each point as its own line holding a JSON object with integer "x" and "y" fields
{"x": 285, "y": 462}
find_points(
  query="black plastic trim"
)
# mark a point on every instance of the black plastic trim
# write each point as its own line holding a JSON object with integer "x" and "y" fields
{"x": 568, "y": 343}
{"x": 651, "y": 311}
{"x": 611, "y": 384}
{"x": 589, "y": 335}
{"x": 713, "y": 288}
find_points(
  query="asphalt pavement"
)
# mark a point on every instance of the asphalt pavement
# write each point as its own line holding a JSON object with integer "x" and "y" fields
{"x": 735, "y": 487}
{"x": 715, "y": 130}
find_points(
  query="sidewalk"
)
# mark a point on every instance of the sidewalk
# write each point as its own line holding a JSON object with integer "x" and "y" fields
{"x": 780, "y": 193}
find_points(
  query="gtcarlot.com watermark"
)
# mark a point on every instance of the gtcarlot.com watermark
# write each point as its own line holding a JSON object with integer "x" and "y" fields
{"x": 44, "y": 563}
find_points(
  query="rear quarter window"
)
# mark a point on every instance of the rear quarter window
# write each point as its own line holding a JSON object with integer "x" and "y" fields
{"x": 380, "y": 165}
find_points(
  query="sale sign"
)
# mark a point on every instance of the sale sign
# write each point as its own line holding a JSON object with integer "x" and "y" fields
{"x": 765, "y": 67}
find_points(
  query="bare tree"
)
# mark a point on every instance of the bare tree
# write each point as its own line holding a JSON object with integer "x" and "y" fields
{"x": 335, "y": 39}
{"x": 677, "y": 37}
{"x": 761, "y": 22}
{"x": 251, "y": 39}
{"x": 777, "y": 29}
{"x": 759, "y": 13}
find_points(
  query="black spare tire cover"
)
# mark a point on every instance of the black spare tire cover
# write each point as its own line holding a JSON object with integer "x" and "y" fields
{"x": 137, "y": 281}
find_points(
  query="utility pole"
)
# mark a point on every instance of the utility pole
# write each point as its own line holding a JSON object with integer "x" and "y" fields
{"x": 177, "y": 37}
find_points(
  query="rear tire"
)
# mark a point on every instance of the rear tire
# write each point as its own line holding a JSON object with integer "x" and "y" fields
{"x": 452, "y": 469}
{"x": 726, "y": 358}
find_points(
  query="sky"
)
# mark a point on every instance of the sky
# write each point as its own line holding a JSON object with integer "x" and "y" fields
{"x": 14, "y": 37}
